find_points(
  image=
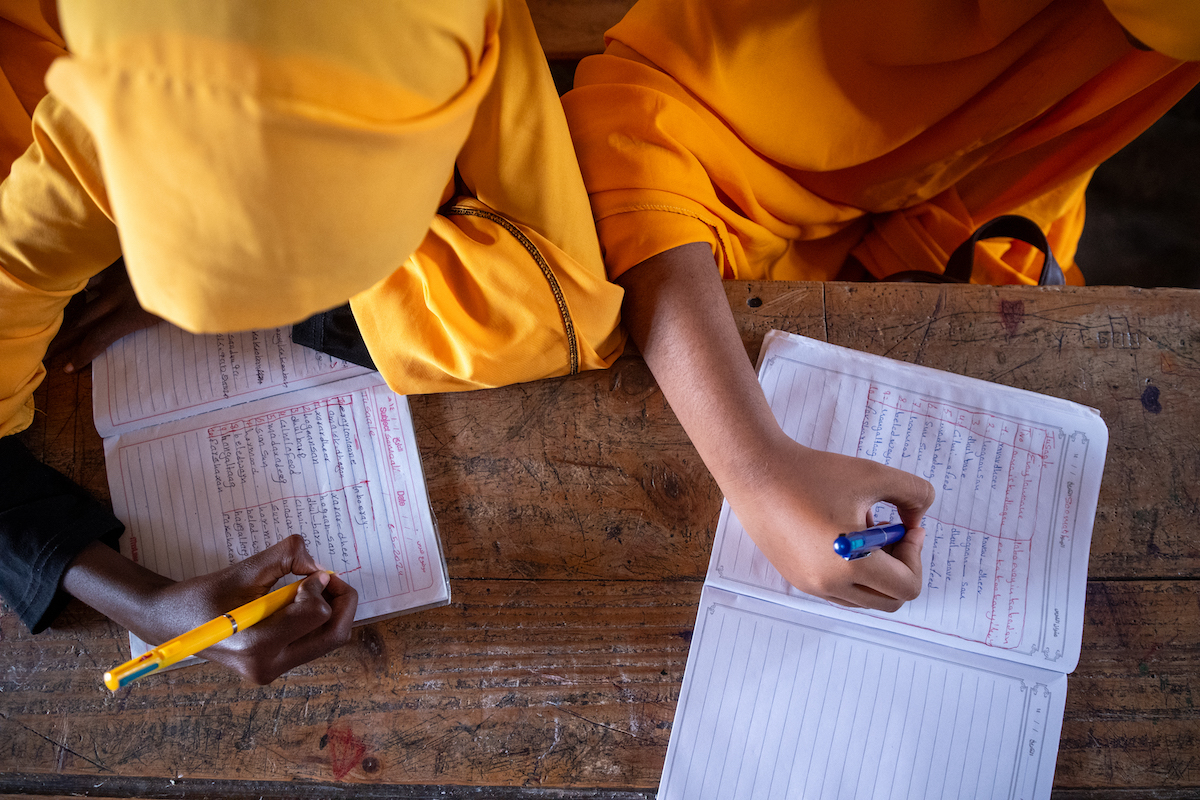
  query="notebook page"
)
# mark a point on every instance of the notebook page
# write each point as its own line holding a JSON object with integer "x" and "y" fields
{"x": 1017, "y": 477}
{"x": 337, "y": 464}
{"x": 163, "y": 373}
{"x": 780, "y": 703}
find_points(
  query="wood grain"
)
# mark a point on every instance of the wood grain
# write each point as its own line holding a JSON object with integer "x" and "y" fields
{"x": 1132, "y": 354}
{"x": 577, "y": 521}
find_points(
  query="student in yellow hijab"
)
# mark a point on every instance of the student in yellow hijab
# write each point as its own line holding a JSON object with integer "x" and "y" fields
{"x": 256, "y": 164}
{"x": 835, "y": 139}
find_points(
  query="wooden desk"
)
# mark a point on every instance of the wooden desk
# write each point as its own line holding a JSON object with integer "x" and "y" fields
{"x": 577, "y": 521}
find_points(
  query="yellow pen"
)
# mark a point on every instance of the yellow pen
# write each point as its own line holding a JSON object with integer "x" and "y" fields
{"x": 197, "y": 639}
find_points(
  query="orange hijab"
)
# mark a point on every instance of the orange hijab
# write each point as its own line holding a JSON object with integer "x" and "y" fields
{"x": 793, "y": 137}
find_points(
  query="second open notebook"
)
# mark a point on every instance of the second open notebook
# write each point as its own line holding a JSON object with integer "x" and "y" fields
{"x": 960, "y": 693}
{"x": 220, "y": 446}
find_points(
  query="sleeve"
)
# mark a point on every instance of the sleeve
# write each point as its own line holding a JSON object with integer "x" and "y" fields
{"x": 508, "y": 284}
{"x": 641, "y": 147}
{"x": 1171, "y": 27}
{"x": 55, "y": 234}
{"x": 45, "y": 521}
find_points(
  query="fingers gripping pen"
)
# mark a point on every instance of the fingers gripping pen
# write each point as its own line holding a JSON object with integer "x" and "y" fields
{"x": 852, "y": 546}
{"x": 205, "y": 636}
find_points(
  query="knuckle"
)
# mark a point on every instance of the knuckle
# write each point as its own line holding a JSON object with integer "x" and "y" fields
{"x": 239, "y": 647}
{"x": 322, "y": 611}
{"x": 341, "y": 633}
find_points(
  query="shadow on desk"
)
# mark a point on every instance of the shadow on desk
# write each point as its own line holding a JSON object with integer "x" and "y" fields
{"x": 578, "y": 520}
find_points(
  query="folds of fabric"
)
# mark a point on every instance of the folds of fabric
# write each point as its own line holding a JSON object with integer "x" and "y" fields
{"x": 792, "y": 137}
{"x": 28, "y": 43}
{"x": 1168, "y": 26}
{"x": 45, "y": 521}
{"x": 262, "y": 165}
{"x": 54, "y": 235}
{"x": 508, "y": 284}
{"x": 480, "y": 279}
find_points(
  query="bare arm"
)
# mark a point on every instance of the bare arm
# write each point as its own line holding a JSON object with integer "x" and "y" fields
{"x": 791, "y": 499}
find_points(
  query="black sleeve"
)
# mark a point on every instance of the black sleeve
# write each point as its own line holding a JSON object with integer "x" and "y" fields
{"x": 45, "y": 521}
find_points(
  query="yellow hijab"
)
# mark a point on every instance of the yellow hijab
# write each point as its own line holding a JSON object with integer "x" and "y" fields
{"x": 261, "y": 162}
{"x": 261, "y": 173}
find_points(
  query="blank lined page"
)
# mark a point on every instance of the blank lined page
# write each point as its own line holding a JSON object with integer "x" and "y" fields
{"x": 779, "y": 703}
{"x": 164, "y": 373}
{"x": 1016, "y": 475}
{"x": 336, "y": 464}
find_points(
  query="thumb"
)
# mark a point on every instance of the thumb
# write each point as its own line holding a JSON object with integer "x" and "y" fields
{"x": 908, "y": 550}
{"x": 287, "y": 557}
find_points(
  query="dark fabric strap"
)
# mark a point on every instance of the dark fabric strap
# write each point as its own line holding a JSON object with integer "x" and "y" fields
{"x": 961, "y": 263}
{"x": 334, "y": 333}
{"x": 1010, "y": 226}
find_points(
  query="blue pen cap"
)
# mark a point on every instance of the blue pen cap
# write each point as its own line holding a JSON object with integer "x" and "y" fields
{"x": 862, "y": 543}
{"x": 844, "y": 546}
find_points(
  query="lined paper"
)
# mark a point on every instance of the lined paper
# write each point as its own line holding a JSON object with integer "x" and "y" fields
{"x": 779, "y": 703}
{"x": 961, "y": 692}
{"x": 1016, "y": 475}
{"x": 164, "y": 373}
{"x": 337, "y": 464}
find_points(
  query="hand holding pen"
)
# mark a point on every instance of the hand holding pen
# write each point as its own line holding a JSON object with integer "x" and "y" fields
{"x": 214, "y": 631}
{"x": 804, "y": 498}
{"x": 317, "y": 619}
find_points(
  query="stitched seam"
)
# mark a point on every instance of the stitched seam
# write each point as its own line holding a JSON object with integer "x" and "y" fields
{"x": 547, "y": 273}
{"x": 722, "y": 244}
{"x": 683, "y": 212}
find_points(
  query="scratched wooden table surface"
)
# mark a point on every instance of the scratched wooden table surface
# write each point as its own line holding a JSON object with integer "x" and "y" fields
{"x": 577, "y": 520}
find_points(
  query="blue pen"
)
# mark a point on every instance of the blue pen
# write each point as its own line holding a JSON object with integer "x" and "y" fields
{"x": 863, "y": 543}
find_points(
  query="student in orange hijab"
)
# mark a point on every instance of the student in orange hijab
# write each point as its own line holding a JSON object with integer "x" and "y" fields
{"x": 256, "y": 164}
{"x": 836, "y": 139}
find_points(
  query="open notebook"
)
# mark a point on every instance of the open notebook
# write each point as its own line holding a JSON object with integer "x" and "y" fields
{"x": 961, "y": 692}
{"x": 218, "y": 446}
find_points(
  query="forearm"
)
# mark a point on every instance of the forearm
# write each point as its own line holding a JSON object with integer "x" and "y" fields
{"x": 791, "y": 500}
{"x": 677, "y": 313}
{"x": 118, "y": 588}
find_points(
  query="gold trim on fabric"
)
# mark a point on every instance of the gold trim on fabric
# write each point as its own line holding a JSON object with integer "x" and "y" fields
{"x": 559, "y": 298}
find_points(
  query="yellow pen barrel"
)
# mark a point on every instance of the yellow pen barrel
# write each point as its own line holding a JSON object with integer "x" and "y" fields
{"x": 171, "y": 651}
{"x": 205, "y": 636}
{"x": 256, "y": 611}
{"x": 195, "y": 640}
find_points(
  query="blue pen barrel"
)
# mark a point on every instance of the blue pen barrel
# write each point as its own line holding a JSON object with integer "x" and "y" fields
{"x": 862, "y": 543}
